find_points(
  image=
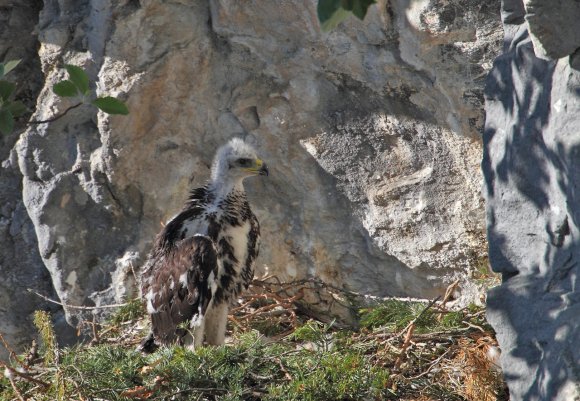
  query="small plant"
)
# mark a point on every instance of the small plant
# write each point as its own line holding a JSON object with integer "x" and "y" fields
{"x": 9, "y": 109}
{"x": 333, "y": 12}
{"x": 47, "y": 336}
{"x": 77, "y": 86}
{"x": 133, "y": 310}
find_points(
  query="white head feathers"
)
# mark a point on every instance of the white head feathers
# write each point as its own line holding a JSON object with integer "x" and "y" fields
{"x": 235, "y": 149}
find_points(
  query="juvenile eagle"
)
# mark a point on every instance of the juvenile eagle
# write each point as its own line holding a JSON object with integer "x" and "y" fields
{"x": 204, "y": 256}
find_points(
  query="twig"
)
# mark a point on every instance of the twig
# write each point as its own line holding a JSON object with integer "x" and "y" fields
{"x": 32, "y": 354}
{"x": 409, "y": 333}
{"x": 16, "y": 391}
{"x": 449, "y": 292}
{"x": 405, "y": 345}
{"x": 474, "y": 326}
{"x": 55, "y": 117}
{"x": 76, "y": 306}
{"x": 23, "y": 375}
{"x": 12, "y": 353}
{"x": 283, "y": 369}
{"x": 431, "y": 365}
{"x": 96, "y": 337}
{"x": 412, "y": 322}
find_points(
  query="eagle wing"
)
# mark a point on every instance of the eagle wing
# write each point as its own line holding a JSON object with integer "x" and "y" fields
{"x": 180, "y": 286}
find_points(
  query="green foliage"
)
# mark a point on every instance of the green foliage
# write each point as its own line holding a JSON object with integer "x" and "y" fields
{"x": 133, "y": 310}
{"x": 333, "y": 12}
{"x": 103, "y": 369}
{"x": 250, "y": 369}
{"x": 6, "y": 121}
{"x": 6, "y": 90}
{"x": 8, "y": 108}
{"x": 394, "y": 315}
{"x": 78, "y": 85}
{"x": 49, "y": 345}
{"x": 338, "y": 375}
{"x": 65, "y": 88}
{"x": 318, "y": 362}
{"x": 17, "y": 108}
{"x": 111, "y": 105}
{"x": 79, "y": 78}
{"x": 8, "y": 66}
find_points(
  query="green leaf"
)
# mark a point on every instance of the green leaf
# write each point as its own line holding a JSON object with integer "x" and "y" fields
{"x": 333, "y": 12}
{"x": 65, "y": 89}
{"x": 10, "y": 65}
{"x": 6, "y": 89}
{"x": 111, "y": 105}
{"x": 358, "y": 7}
{"x": 17, "y": 108}
{"x": 326, "y": 12}
{"x": 78, "y": 77}
{"x": 6, "y": 122}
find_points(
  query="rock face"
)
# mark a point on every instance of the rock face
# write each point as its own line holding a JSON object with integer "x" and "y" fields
{"x": 21, "y": 266}
{"x": 371, "y": 132}
{"x": 531, "y": 164}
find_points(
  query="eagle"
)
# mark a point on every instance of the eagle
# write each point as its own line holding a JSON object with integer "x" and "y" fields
{"x": 204, "y": 257}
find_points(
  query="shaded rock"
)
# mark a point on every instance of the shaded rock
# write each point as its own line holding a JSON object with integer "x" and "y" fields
{"x": 21, "y": 266}
{"x": 530, "y": 168}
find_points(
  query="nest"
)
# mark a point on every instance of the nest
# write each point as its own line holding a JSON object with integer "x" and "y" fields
{"x": 409, "y": 350}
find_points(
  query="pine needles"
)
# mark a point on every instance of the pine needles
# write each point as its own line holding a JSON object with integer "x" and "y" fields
{"x": 413, "y": 351}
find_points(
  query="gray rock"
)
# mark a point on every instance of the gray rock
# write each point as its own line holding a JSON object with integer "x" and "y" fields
{"x": 21, "y": 266}
{"x": 530, "y": 167}
{"x": 371, "y": 132}
{"x": 553, "y": 27}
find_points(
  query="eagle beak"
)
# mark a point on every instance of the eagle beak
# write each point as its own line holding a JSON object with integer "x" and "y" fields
{"x": 263, "y": 170}
{"x": 259, "y": 168}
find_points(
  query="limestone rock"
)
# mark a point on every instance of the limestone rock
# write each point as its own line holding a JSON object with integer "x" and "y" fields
{"x": 553, "y": 27}
{"x": 371, "y": 132}
{"x": 530, "y": 167}
{"x": 21, "y": 266}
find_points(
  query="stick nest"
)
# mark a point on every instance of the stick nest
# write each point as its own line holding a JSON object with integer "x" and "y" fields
{"x": 303, "y": 340}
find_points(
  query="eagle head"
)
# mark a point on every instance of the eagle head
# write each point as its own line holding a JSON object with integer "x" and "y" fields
{"x": 235, "y": 161}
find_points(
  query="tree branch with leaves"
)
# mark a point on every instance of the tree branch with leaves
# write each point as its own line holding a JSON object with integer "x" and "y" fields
{"x": 76, "y": 86}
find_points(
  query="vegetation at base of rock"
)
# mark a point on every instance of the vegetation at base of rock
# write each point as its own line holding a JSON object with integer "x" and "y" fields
{"x": 132, "y": 310}
{"x": 49, "y": 349}
{"x": 446, "y": 359}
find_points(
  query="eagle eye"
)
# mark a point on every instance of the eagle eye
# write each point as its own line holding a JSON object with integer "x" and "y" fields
{"x": 244, "y": 162}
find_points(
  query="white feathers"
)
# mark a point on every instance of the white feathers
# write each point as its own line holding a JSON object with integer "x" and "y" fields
{"x": 212, "y": 281}
{"x": 236, "y": 148}
{"x": 238, "y": 238}
{"x": 149, "y": 300}
{"x": 197, "y": 319}
{"x": 183, "y": 279}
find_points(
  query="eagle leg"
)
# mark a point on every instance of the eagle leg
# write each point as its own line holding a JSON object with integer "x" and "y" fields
{"x": 216, "y": 319}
